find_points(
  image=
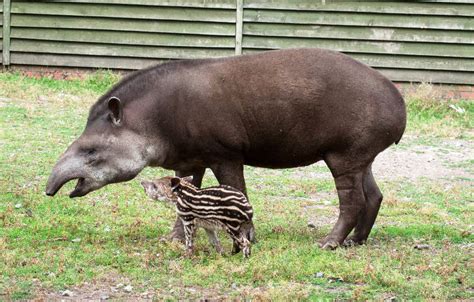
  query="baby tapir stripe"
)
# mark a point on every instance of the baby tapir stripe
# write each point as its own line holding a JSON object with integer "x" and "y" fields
{"x": 219, "y": 207}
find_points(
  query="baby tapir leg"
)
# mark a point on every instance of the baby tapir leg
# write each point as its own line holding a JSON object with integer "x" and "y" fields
{"x": 212, "y": 235}
{"x": 240, "y": 242}
{"x": 198, "y": 174}
{"x": 243, "y": 244}
{"x": 189, "y": 232}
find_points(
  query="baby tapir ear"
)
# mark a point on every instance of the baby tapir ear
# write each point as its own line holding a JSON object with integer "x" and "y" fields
{"x": 148, "y": 185}
{"x": 116, "y": 110}
{"x": 188, "y": 178}
{"x": 175, "y": 181}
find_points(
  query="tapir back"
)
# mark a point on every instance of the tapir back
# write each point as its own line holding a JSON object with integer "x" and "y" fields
{"x": 287, "y": 108}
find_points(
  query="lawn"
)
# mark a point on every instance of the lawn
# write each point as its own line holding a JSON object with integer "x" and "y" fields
{"x": 112, "y": 243}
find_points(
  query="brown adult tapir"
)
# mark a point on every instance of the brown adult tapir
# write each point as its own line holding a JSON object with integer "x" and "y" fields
{"x": 276, "y": 109}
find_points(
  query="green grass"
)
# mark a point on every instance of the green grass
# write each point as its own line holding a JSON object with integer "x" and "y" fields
{"x": 432, "y": 116}
{"x": 114, "y": 234}
{"x": 97, "y": 82}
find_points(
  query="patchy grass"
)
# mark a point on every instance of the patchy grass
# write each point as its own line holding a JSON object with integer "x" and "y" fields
{"x": 433, "y": 116}
{"x": 116, "y": 235}
{"x": 97, "y": 82}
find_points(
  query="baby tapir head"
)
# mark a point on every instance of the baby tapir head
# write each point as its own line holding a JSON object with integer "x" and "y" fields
{"x": 162, "y": 188}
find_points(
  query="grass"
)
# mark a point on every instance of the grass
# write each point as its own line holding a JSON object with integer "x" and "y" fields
{"x": 115, "y": 235}
{"x": 432, "y": 116}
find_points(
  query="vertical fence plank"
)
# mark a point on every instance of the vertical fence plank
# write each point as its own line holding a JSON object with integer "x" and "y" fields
{"x": 239, "y": 23}
{"x": 6, "y": 33}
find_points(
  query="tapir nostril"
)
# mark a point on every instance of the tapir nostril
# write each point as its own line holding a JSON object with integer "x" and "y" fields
{"x": 50, "y": 190}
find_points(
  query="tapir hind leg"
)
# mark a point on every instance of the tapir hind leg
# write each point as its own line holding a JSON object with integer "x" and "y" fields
{"x": 366, "y": 219}
{"x": 178, "y": 230}
{"x": 349, "y": 178}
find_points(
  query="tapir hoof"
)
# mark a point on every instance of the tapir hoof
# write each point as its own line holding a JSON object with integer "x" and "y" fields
{"x": 353, "y": 241}
{"x": 329, "y": 244}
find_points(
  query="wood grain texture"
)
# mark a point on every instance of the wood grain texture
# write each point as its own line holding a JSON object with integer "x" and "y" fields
{"x": 132, "y": 51}
{"x": 230, "y": 4}
{"x": 66, "y": 60}
{"x": 408, "y": 41}
{"x": 378, "y": 7}
{"x": 124, "y": 11}
{"x": 115, "y": 37}
{"x": 6, "y": 32}
{"x": 358, "y": 33}
{"x": 129, "y": 26}
{"x": 358, "y": 19}
{"x": 421, "y": 49}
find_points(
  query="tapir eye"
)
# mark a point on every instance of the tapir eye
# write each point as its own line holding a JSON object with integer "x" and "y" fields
{"x": 89, "y": 151}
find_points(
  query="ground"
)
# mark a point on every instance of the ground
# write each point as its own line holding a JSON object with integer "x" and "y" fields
{"x": 112, "y": 244}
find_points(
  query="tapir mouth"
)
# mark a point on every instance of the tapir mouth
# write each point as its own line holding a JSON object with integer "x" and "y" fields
{"x": 79, "y": 190}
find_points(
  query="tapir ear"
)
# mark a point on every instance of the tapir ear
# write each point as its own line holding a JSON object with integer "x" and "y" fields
{"x": 116, "y": 110}
{"x": 175, "y": 181}
{"x": 188, "y": 178}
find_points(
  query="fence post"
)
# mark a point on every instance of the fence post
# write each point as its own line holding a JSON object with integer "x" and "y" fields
{"x": 239, "y": 23}
{"x": 6, "y": 32}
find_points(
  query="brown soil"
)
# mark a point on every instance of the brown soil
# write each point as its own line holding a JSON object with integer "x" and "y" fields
{"x": 411, "y": 160}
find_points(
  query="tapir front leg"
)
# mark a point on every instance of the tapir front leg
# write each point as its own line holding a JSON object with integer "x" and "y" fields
{"x": 232, "y": 174}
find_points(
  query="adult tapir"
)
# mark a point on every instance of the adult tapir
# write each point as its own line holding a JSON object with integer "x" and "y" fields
{"x": 276, "y": 109}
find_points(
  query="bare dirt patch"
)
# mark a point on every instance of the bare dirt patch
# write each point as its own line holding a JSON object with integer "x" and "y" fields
{"x": 413, "y": 160}
{"x": 111, "y": 286}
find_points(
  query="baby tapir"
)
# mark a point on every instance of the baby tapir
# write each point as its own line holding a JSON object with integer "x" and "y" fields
{"x": 220, "y": 207}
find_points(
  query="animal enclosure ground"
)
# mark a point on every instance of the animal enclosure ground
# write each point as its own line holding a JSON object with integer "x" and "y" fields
{"x": 112, "y": 243}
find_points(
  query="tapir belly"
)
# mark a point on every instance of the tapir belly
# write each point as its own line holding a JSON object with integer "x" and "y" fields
{"x": 285, "y": 148}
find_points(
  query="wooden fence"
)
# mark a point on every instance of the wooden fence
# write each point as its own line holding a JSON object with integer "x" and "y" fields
{"x": 429, "y": 41}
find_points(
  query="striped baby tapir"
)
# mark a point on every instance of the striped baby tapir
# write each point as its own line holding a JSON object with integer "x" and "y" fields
{"x": 213, "y": 208}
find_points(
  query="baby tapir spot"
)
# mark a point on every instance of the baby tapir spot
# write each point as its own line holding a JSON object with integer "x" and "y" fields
{"x": 214, "y": 208}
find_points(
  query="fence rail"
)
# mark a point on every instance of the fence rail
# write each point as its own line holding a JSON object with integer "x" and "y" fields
{"x": 419, "y": 41}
